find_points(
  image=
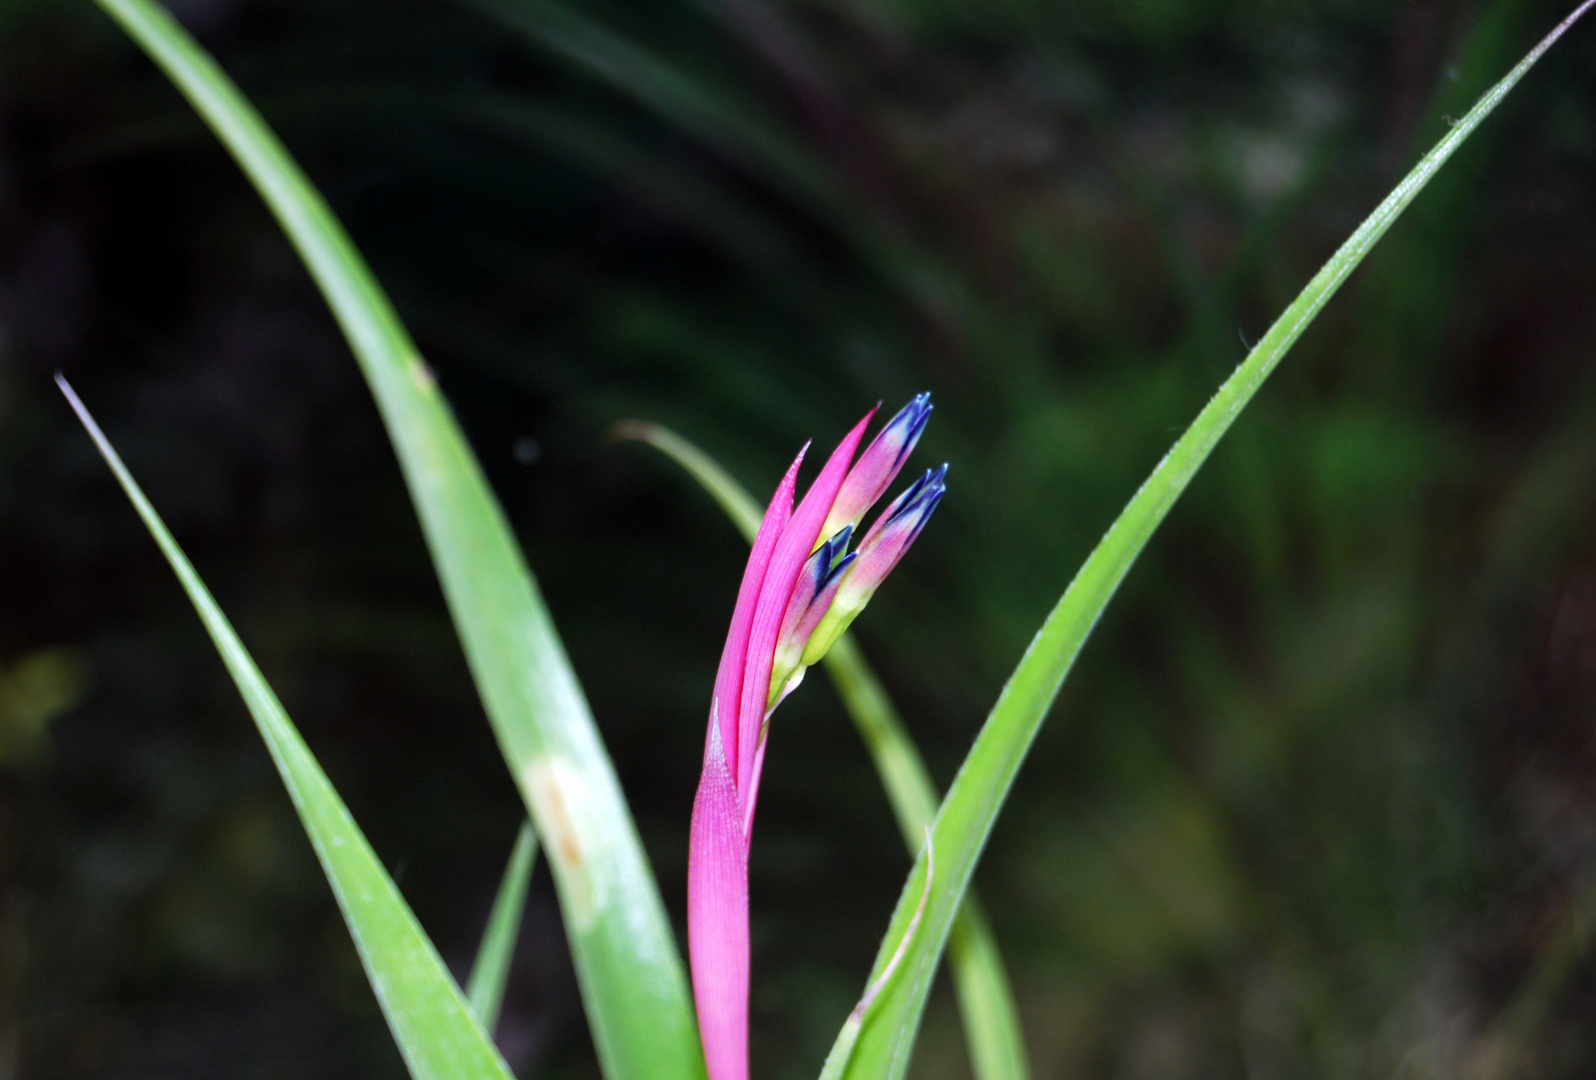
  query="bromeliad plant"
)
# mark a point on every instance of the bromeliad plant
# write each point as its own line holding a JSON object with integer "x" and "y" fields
{"x": 800, "y": 591}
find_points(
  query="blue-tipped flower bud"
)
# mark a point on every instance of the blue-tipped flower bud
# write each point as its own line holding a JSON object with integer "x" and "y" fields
{"x": 896, "y": 528}
{"x": 878, "y": 466}
{"x": 817, "y": 585}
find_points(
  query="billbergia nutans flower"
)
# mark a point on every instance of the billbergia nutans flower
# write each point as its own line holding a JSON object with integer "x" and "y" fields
{"x": 800, "y": 591}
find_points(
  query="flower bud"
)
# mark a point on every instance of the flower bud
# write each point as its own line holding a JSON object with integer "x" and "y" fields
{"x": 878, "y": 466}
{"x": 880, "y": 550}
{"x": 811, "y": 597}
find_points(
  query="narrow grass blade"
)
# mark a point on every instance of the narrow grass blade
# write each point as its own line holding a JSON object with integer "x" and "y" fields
{"x": 491, "y": 970}
{"x": 972, "y": 804}
{"x": 986, "y": 1002}
{"x": 436, "y": 1030}
{"x": 627, "y": 963}
{"x": 722, "y": 487}
{"x": 836, "y": 1062}
{"x": 980, "y": 982}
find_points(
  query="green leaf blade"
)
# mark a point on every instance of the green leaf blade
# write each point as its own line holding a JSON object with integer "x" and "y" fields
{"x": 434, "y": 1027}
{"x": 986, "y": 1000}
{"x": 491, "y": 970}
{"x": 628, "y": 967}
{"x": 883, "y": 1047}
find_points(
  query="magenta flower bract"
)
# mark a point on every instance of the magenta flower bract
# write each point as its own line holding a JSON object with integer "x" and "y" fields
{"x": 799, "y": 592}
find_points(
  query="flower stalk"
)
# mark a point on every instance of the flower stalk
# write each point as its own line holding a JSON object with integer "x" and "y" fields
{"x": 800, "y": 590}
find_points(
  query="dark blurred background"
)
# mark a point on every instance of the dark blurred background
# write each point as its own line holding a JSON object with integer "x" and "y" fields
{"x": 1319, "y": 799}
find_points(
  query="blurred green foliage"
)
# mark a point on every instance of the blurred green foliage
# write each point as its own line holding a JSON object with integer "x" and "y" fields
{"x": 1320, "y": 798}
{"x": 36, "y": 689}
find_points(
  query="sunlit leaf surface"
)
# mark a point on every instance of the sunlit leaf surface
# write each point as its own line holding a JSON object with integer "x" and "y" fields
{"x": 976, "y": 797}
{"x": 436, "y": 1030}
{"x": 626, "y": 958}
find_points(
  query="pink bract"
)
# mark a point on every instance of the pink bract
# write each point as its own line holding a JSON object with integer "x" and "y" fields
{"x": 734, "y": 746}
